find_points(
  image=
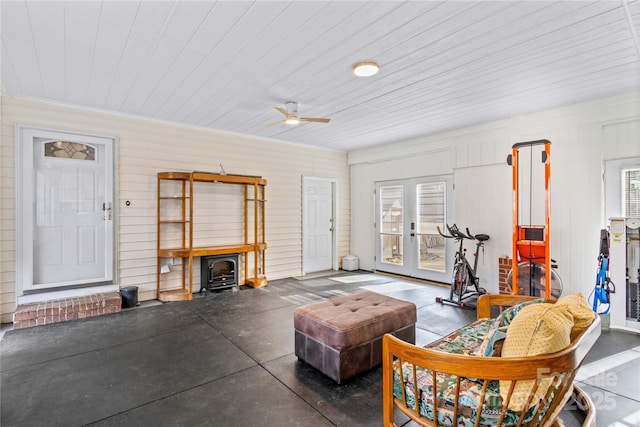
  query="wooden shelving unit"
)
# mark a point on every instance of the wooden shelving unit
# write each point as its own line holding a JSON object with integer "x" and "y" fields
{"x": 254, "y": 199}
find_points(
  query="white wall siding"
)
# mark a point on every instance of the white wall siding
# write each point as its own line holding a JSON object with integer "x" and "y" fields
{"x": 7, "y": 221}
{"x": 146, "y": 147}
{"x": 485, "y": 208}
{"x": 620, "y": 138}
{"x": 582, "y": 137}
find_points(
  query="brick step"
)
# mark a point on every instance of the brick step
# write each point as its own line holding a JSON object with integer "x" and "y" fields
{"x": 72, "y": 308}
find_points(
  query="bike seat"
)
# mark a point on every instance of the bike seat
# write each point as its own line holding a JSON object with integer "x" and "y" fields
{"x": 482, "y": 237}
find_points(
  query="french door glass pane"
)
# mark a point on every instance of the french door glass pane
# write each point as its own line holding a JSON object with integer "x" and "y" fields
{"x": 391, "y": 220}
{"x": 430, "y": 204}
{"x": 392, "y": 249}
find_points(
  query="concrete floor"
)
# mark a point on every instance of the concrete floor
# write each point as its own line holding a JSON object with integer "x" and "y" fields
{"x": 227, "y": 360}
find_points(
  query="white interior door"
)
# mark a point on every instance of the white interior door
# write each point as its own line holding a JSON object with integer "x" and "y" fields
{"x": 318, "y": 225}
{"x": 407, "y": 241}
{"x": 66, "y": 200}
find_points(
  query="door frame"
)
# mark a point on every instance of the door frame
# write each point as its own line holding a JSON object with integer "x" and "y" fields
{"x": 25, "y": 170}
{"x": 411, "y": 266}
{"x": 334, "y": 210}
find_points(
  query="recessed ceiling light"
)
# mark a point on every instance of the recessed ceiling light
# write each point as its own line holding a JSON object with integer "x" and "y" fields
{"x": 365, "y": 69}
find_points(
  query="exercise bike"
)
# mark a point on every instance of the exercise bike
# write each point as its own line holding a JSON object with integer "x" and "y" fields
{"x": 465, "y": 282}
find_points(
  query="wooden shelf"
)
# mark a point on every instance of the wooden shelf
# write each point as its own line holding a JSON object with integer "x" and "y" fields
{"x": 210, "y": 250}
{"x": 174, "y": 295}
{"x": 187, "y": 251}
{"x": 212, "y": 177}
{"x": 257, "y": 282}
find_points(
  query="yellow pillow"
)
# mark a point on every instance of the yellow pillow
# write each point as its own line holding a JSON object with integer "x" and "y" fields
{"x": 582, "y": 313}
{"x": 576, "y": 299}
{"x": 537, "y": 329}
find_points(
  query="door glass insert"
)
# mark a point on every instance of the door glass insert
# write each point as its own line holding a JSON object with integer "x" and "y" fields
{"x": 391, "y": 221}
{"x": 430, "y": 205}
{"x": 69, "y": 150}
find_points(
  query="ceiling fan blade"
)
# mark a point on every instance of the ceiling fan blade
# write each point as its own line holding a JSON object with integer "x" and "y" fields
{"x": 277, "y": 123}
{"x": 314, "y": 119}
{"x": 283, "y": 111}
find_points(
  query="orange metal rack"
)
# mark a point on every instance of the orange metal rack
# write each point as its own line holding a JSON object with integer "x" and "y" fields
{"x": 531, "y": 242}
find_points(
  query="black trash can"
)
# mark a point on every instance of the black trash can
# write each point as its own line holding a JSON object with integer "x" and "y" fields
{"x": 129, "y": 296}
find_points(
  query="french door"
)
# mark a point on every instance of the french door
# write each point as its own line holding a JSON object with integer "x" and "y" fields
{"x": 408, "y": 213}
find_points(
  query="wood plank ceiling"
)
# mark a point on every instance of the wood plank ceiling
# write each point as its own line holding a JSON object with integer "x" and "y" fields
{"x": 226, "y": 64}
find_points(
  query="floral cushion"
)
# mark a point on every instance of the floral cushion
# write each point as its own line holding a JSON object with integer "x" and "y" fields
{"x": 468, "y": 400}
{"x": 493, "y": 342}
{"x": 467, "y": 340}
{"x": 506, "y": 317}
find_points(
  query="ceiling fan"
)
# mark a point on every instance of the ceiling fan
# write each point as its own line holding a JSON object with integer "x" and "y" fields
{"x": 291, "y": 117}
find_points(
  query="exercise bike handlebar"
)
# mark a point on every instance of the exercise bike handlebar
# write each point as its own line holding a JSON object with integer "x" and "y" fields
{"x": 469, "y": 235}
{"x": 455, "y": 233}
{"x": 442, "y": 234}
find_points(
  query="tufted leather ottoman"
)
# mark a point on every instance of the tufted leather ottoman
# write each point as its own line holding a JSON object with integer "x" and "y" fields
{"x": 342, "y": 336}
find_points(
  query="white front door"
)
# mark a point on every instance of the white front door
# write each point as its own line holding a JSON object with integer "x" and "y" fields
{"x": 318, "y": 225}
{"x": 66, "y": 195}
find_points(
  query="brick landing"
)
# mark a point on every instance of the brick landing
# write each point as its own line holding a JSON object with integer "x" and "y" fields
{"x": 60, "y": 310}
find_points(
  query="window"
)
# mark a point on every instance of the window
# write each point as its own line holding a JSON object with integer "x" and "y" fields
{"x": 631, "y": 193}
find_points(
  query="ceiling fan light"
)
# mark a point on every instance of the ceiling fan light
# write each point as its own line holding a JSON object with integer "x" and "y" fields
{"x": 365, "y": 69}
{"x": 292, "y": 121}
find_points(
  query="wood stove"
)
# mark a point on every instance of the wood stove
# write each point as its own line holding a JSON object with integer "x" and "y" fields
{"x": 218, "y": 272}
